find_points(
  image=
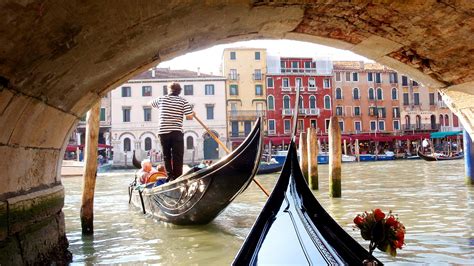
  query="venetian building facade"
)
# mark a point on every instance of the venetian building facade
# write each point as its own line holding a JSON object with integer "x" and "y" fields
{"x": 245, "y": 70}
{"x": 135, "y": 122}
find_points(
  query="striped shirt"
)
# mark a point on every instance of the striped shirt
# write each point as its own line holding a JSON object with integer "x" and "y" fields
{"x": 171, "y": 110}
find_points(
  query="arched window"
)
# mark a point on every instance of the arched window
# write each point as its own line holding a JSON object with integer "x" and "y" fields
{"x": 355, "y": 93}
{"x": 189, "y": 143}
{"x": 127, "y": 146}
{"x": 312, "y": 102}
{"x": 327, "y": 102}
{"x": 455, "y": 121}
{"x": 301, "y": 103}
{"x": 338, "y": 93}
{"x": 147, "y": 144}
{"x": 394, "y": 94}
{"x": 407, "y": 122}
{"x": 418, "y": 122}
{"x": 270, "y": 102}
{"x": 441, "y": 120}
{"x": 371, "y": 94}
{"x": 379, "y": 94}
{"x": 446, "y": 120}
{"x": 286, "y": 102}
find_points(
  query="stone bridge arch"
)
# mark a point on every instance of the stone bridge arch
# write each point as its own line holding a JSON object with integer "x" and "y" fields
{"x": 57, "y": 59}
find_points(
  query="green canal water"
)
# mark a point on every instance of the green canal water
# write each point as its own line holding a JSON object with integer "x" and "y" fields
{"x": 431, "y": 199}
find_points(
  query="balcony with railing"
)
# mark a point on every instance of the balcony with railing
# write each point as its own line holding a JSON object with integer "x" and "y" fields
{"x": 313, "y": 111}
{"x": 412, "y": 127}
{"x": 289, "y": 112}
{"x": 241, "y": 115}
{"x": 234, "y": 76}
{"x": 297, "y": 70}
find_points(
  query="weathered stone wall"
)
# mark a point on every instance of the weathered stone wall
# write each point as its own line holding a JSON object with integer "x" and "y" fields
{"x": 58, "y": 58}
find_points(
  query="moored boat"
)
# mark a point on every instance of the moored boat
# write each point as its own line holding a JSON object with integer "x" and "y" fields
{"x": 293, "y": 228}
{"x": 198, "y": 196}
{"x": 269, "y": 167}
{"x": 439, "y": 157}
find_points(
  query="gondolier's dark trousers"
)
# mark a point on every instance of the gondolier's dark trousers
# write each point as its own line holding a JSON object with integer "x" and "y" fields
{"x": 172, "y": 145}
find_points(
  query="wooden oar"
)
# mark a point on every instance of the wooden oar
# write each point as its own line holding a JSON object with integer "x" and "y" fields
{"x": 227, "y": 150}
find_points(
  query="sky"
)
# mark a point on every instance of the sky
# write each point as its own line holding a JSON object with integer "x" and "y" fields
{"x": 209, "y": 60}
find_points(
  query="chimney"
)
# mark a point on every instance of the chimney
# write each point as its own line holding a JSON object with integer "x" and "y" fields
{"x": 199, "y": 71}
{"x": 153, "y": 74}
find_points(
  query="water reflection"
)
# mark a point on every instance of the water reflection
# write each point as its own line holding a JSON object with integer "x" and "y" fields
{"x": 431, "y": 199}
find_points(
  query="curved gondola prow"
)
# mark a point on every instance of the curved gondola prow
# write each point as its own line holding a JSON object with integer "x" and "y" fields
{"x": 136, "y": 163}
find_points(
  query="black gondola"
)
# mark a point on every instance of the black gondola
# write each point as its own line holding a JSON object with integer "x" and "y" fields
{"x": 293, "y": 228}
{"x": 432, "y": 158}
{"x": 268, "y": 168}
{"x": 197, "y": 197}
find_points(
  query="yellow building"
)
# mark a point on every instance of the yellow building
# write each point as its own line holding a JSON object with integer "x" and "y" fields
{"x": 245, "y": 70}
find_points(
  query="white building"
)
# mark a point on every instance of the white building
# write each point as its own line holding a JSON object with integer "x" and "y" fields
{"x": 134, "y": 122}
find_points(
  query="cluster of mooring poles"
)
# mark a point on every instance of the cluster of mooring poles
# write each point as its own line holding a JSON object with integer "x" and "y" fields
{"x": 309, "y": 149}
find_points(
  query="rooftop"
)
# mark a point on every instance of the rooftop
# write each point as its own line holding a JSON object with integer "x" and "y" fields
{"x": 167, "y": 73}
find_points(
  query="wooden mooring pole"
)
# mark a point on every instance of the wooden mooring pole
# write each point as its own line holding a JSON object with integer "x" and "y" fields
{"x": 304, "y": 155}
{"x": 313, "y": 151}
{"x": 90, "y": 170}
{"x": 468, "y": 157}
{"x": 335, "y": 158}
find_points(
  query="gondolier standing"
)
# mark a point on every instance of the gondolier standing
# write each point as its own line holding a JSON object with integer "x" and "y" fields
{"x": 172, "y": 108}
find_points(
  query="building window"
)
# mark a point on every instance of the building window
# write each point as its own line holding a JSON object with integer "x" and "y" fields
{"x": 338, "y": 94}
{"x": 271, "y": 103}
{"x": 415, "y": 84}
{"x": 418, "y": 122}
{"x": 370, "y": 76}
{"x": 313, "y": 123}
{"x": 381, "y": 112}
{"x": 394, "y": 94}
{"x": 312, "y": 84}
{"x": 286, "y": 102}
{"x": 371, "y": 94}
{"x": 326, "y": 83}
{"x": 271, "y": 126}
{"x": 127, "y": 146}
{"x": 357, "y": 126}
{"x": 209, "y": 111}
{"x": 396, "y": 112}
{"x": 338, "y": 76}
{"x": 235, "y": 128}
{"x": 283, "y": 66}
{"x": 381, "y": 125}
{"x": 301, "y": 125}
{"x": 355, "y": 76}
{"x": 446, "y": 120}
{"x": 165, "y": 90}
{"x": 307, "y": 65}
{"x": 341, "y": 125}
{"x": 233, "y": 74}
{"x": 312, "y": 102}
{"x": 339, "y": 110}
{"x": 348, "y": 76}
{"x": 269, "y": 82}
{"x": 301, "y": 104}
{"x": 209, "y": 89}
{"x": 257, "y": 74}
{"x": 286, "y": 83}
{"x": 407, "y": 122}
{"x": 393, "y": 77}
{"x": 432, "y": 99}
{"x": 126, "y": 92}
{"x": 234, "y": 89}
{"x": 258, "y": 90}
{"x": 416, "y": 98}
{"x": 188, "y": 90}
{"x": 147, "y": 143}
{"x": 295, "y": 66}
{"x": 357, "y": 110}
{"x": 405, "y": 98}
{"x": 146, "y": 114}
{"x": 233, "y": 56}
{"x": 327, "y": 102}
{"x": 126, "y": 114}
{"x": 102, "y": 114}
{"x": 378, "y": 77}
{"x": 257, "y": 55}
{"x": 146, "y": 91}
{"x": 396, "y": 125}
{"x": 379, "y": 94}
{"x": 298, "y": 83}
{"x": 189, "y": 143}
{"x": 326, "y": 124}
{"x": 355, "y": 94}
{"x": 404, "y": 81}
{"x": 287, "y": 125}
{"x": 373, "y": 125}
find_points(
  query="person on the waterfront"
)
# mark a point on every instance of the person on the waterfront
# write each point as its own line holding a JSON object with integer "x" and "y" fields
{"x": 171, "y": 109}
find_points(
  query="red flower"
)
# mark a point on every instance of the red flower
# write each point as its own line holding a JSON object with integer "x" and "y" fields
{"x": 358, "y": 220}
{"x": 378, "y": 214}
{"x": 400, "y": 236}
{"x": 391, "y": 221}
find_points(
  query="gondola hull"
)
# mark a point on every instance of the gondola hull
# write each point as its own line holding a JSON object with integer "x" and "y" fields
{"x": 269, "y": 168}
{"x": 198, "y": 197}
{"x": 438, "y": 158}
{"x": 293, "y": 228}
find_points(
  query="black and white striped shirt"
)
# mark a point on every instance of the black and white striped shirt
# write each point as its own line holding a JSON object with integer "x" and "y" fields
{"x": 171, "y": 109}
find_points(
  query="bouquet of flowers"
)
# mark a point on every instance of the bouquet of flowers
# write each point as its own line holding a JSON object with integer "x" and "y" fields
{"x": 384, "y": 232}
